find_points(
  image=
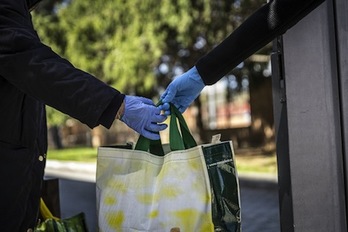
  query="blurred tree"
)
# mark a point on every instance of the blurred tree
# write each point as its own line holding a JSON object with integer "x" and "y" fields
{"x": 208, "y": 23}
{"x": 139, "y": 46}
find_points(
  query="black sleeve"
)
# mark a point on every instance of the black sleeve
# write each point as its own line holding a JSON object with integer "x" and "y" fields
{"x": 36, "y": 70}
{"x": 269, "y": 21}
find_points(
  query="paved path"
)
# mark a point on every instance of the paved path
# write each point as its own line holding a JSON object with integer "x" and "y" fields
{"x": 259, "y": 196}
{"x": 260, "y": 211}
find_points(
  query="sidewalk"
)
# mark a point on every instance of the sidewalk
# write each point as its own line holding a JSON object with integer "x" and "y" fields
{"x": 79, "y": 171}
{"x": 84, "y": 171}
{"x": 259, "y": 195}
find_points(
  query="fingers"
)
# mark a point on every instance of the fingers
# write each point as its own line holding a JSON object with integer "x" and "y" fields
{"x": 164, "y": 94}
{"x": 158, "y": 118}
{"x": 151, "y": 135}
{"x": 165, "y": 108}
{"x": 155, "y": 127}
{"x": 151, "y": 131}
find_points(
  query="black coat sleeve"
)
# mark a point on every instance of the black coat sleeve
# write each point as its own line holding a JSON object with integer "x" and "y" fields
{"x": 36, "y": 70}
{"x": 269, "y": 21}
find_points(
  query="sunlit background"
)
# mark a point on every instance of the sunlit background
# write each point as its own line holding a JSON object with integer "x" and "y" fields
{"x": 139, "y": 47}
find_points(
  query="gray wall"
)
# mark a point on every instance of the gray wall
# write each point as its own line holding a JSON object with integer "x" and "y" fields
{"x": 315, "y": 68}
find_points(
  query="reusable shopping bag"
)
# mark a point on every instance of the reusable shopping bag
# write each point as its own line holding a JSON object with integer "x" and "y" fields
{"x": 157, "y": 188}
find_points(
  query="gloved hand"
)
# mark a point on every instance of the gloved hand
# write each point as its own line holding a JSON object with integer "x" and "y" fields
{"x": 143, "y": 116}
{"x": 183, "y": 90}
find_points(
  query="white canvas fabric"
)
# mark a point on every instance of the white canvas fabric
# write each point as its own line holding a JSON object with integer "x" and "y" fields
{"x": 138, "y": 191}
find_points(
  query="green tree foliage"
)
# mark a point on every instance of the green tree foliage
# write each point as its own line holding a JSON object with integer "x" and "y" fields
{"x": 137, "y": 46}
{"x": 122, "y": 42}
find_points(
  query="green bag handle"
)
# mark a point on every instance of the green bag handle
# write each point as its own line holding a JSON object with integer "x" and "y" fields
{"x": 177, "y": 140}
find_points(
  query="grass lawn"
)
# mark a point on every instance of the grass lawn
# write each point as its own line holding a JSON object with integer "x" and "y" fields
{"x": 246, "y": 163}
{"x": 85, "y": 154}
{"x": 260, "y": 163}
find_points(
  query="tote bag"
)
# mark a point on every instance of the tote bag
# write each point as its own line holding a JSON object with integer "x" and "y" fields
{"x": 180, "y": 186}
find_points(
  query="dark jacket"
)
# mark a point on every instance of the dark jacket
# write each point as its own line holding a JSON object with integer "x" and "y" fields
{"x": 32, "y": 75}
{"x": 269, "y": 21}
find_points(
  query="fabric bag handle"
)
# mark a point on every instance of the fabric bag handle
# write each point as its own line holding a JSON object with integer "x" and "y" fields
{"x": 45, "y": 212}
{"x": 178, "y": 139}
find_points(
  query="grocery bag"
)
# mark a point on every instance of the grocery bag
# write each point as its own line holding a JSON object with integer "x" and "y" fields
{"x": 51, "y": 223}
{"x": 172, "y": 187}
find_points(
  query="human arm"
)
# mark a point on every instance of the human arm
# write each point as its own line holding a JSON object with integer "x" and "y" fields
{"x": 269, "y": 21}
{"x": 34, "y": 69}
{"x": 260, "y": 28}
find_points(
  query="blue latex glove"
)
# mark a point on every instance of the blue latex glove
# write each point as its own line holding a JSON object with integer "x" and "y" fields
{"x": 143, "y": 116}
{"x": 183, "y": 90}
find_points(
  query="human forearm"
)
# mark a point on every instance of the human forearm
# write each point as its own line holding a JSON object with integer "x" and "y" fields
{"x": 271, "y": 20}
{"x": 37, "y": 71}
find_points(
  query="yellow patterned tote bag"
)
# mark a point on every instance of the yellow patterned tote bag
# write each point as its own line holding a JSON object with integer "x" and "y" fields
{"x": 167, "y": 188}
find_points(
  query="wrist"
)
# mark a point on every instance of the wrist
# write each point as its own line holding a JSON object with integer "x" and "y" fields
{"x": 120, "y": 111}
{"x": 194, "y": 75}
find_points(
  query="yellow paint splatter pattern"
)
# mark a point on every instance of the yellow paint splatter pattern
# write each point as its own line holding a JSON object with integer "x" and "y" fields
{"x": 110, "y": 200}
{"x": 153, "y": 214}
{"x": 151, "y": 193}
{"x": 115, "y": 220}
